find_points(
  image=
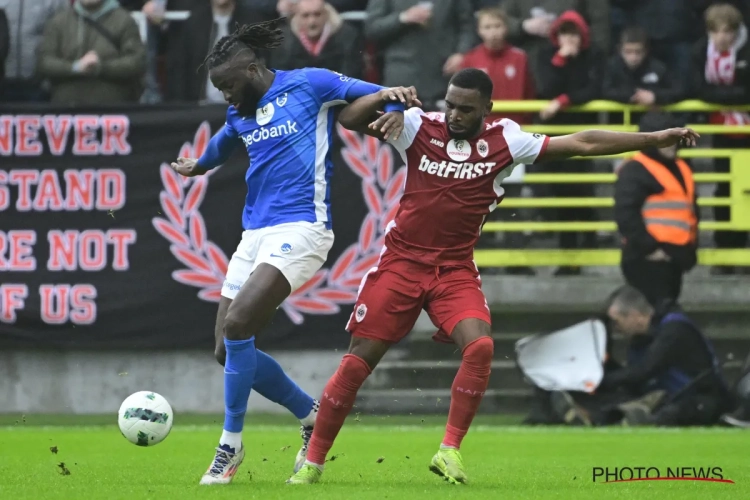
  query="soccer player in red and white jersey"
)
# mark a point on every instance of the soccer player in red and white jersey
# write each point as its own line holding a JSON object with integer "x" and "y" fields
{"x": 455, "y": 165}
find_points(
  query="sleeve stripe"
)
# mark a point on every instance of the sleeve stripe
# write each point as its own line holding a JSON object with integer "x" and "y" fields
{"x": 543, "y": 150}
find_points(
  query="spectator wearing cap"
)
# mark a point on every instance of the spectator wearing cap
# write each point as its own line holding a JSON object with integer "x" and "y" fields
{"x": 317, "y": 37}
{"x": 657, "y": 217}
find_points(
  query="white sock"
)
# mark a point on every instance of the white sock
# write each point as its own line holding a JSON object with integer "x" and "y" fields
{"x": 446, "y": 447}
{"x": 309, "y": 420}
{"x": 231, "y": 439}
{"x": 318, "y": 466}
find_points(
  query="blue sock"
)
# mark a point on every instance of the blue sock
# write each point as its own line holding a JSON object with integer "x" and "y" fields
{"x": 239, "y": 374}
{"x": 273, "y": 384}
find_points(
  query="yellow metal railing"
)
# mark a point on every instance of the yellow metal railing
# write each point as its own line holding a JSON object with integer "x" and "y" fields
{"x": 739, "y": 199}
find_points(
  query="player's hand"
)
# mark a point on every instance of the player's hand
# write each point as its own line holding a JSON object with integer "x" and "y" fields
{"x": 675, "y": 136}
{"x": 390, "y": 124}
{"x": 406, "y": 95}
{"x": 187, "y": 167}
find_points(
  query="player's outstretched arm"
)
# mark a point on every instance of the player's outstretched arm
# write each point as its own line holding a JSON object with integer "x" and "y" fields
{"x": 363, "y": 116}
{"x": 602, "y": 142}
{"x": 218, "y": 151}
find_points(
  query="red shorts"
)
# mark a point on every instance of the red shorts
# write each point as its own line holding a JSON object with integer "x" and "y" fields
{"x": 393, "y": 294}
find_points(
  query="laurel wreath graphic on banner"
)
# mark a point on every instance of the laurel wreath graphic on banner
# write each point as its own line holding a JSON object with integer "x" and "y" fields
{"x": 206, "y": 264}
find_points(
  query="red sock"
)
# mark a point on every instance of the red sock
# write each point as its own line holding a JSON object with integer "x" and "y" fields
{"x": 336, "y": 403}
{"x": 468, "y": 389}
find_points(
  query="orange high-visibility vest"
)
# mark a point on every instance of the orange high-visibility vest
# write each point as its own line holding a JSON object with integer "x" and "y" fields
{"x": 670, "y": 215}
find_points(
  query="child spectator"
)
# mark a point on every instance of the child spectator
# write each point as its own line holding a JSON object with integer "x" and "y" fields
{"x": 568, "y": 73}
{"x": 506, "y": 65}
{"x": 722, "y": 75}
{"x": 634, "y": 77}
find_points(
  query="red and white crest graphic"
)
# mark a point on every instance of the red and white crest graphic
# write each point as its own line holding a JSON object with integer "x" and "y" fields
{"x": 206, "y": 264}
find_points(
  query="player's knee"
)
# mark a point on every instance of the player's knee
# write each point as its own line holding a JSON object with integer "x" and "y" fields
{"x": 480, "y": 351}
{"x": 237, "y": 326}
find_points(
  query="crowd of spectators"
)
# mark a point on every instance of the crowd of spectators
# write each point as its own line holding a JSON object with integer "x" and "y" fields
{"x": 648, "y": 52}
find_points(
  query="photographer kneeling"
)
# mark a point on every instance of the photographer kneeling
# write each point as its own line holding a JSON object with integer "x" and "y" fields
{"x": 672, "y": 370}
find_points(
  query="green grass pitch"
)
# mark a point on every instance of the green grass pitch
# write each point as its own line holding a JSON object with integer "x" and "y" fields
{"x": 503, "y": 461}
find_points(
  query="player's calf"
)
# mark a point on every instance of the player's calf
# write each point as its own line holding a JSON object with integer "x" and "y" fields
{"x": 468, "y": 389}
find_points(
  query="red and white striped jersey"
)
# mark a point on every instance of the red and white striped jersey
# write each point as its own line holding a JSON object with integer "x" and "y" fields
{"x": 451, "y": 185}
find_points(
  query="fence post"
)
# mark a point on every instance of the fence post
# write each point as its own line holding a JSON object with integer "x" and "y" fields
{"x": 739, "y": 168}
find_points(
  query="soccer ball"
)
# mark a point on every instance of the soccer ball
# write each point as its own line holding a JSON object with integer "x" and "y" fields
{"x": 145, "y": 418}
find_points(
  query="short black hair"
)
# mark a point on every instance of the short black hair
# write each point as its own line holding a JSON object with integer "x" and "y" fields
{"x": 254, "y": 37}
{"x": 474, "y": 79}
{"x": 628, "y": 299}
{"x": 634, "y": 34}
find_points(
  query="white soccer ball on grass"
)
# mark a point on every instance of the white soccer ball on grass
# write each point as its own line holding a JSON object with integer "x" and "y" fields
{"x": 145, "y": 418}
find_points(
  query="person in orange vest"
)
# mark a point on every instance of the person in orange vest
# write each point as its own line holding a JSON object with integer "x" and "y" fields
{"x": 657, "y": 217}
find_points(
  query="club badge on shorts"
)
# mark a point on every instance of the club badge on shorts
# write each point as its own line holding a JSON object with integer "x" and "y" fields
{"x": 286, "y": 248}
{"x": 360, "y": 313}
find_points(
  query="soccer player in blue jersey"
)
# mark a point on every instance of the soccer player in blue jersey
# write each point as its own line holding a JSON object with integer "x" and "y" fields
{"x": 285, "y": 120}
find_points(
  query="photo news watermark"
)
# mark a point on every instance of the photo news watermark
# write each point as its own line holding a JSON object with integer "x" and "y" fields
{"x": 632, "y": 474}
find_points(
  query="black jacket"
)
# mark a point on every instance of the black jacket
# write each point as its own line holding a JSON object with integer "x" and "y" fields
{"x": 189, "y": 43}
{"x": 737, "y": 93}
{"x": 579, "y": 79}
{"x": 634, "y": 184}
{"x": 672, "y": 346}
{"x": 342, "y": 52}
{"x": 620, "y": 82}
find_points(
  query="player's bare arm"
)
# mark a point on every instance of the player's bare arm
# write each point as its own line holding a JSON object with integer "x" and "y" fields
{"x": 363, "y": 114}
{"x": 218, "y": 151}
{"x": 602, "y": 142}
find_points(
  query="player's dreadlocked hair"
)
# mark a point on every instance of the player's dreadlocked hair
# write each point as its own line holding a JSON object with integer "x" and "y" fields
{"x": 259, "y": 36}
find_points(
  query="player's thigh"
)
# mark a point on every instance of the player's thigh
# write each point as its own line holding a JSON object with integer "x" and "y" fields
{"x": 298, "y": 250}
{"x": 219, "y": 348}
{"x": 240, "y": 265}
{"x": 255, "y": 303}
{"x": 458, "y": 308}
{"x": 388, "y": 305}
{"x": 285, "y": 258}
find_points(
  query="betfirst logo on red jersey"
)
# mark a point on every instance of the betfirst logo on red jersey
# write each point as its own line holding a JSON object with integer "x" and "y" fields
{"x": 465, "y": 170}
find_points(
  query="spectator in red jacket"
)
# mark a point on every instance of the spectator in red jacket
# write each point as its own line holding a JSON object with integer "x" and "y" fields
{"x": 506, "y": 65}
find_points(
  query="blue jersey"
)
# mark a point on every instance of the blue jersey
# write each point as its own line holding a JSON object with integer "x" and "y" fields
{"x": 289, "y": 144}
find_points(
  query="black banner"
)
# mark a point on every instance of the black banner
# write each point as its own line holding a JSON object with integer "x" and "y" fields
{"x": 103, "y": 246}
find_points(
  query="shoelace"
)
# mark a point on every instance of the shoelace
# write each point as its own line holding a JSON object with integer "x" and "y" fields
{"x": 306, "y": 433}
{"x": 221, "y": 460}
